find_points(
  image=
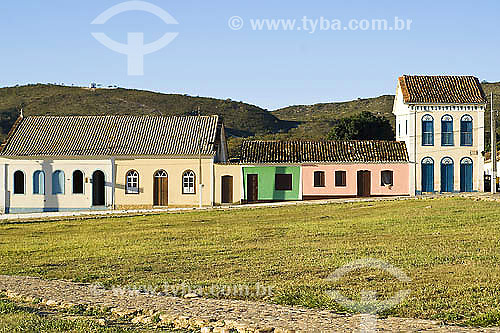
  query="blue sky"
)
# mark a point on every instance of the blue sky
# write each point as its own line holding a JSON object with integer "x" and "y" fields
{"x": 50, "y": 41}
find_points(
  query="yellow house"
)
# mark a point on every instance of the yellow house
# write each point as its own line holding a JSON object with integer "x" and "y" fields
{"x": 114, "y": 162}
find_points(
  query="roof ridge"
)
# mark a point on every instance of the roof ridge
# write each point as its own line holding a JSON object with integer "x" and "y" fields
{"x": 120, "y": 116}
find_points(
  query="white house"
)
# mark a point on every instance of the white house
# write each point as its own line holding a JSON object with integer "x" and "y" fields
{"x": 441, "y": 119}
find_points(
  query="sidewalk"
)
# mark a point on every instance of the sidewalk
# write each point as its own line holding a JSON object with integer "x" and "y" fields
{"x": 133, "y": 212}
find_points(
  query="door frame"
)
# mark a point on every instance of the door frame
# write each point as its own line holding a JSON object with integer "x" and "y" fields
{"x": 250, "y": 188}
{"x": 94, "y": 189}
{"x": 230, "y": 195}
{"x": 364, "y": 180}
{"x": 445, "y": 177}
{"x": 464, "y": 181}
{"x": 427, "y": 162}
{"x": 160, "y": 183}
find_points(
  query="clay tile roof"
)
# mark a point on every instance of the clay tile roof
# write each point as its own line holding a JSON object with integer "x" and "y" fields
{"x": 111, "y": 136}
{"x": 442, "y": 89}
{"x": 323, "y": 151}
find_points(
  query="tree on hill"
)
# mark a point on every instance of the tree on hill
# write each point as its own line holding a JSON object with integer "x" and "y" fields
{"x": 363, "y": 126}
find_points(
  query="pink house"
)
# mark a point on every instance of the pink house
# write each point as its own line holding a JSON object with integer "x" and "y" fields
{"x": 325, "y": 169}
{"x": 355, "y": 168}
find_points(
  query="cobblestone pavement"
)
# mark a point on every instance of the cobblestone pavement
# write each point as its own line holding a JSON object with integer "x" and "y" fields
{"x": 209, "y": 315}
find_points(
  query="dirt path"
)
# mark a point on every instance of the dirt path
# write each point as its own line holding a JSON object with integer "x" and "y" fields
{"x": 209, "y": 315}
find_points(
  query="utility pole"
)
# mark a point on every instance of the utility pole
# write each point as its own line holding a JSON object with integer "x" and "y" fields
{"x": 200, "y": 187}
{"x": 493, "y": 149}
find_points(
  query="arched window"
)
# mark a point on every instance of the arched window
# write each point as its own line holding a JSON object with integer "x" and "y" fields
{"x": 18, "y": 182}
{"x": 427, "y": 130}
{"x": 132, "y": 182}
{"x": 38, "y": 182}
{"x": 77, "y": 182}
{"x": 427, "y": 174}
{"x": 466, "y": 175}
{"x": 447, "y": 178}
{"x": 188, "y": 181}
{"x": 447, "y": 131}
{"x": 466, "y": 130}
{"x": 58, "y": 182}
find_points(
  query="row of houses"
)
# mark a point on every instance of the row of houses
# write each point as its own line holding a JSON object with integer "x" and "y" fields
{"x": 124, "y": 162}
{"x": 128, "y": 162}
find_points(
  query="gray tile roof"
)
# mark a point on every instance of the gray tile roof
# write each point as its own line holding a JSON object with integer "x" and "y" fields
{"x": 368, "y": 151}
{"x": 111, "y": 136}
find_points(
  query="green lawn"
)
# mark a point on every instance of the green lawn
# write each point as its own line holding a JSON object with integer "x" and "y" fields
{"x": 450, "y": 248}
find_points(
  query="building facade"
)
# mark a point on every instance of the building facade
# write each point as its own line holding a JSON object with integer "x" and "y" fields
{"x": 441, "y": 120}
{"x": 108, "y": 162}
{"x": 296, "y": 170}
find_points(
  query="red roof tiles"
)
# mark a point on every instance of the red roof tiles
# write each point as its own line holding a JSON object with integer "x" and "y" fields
{"x": 441, "y": 89}
{"x": 323, "y": 151}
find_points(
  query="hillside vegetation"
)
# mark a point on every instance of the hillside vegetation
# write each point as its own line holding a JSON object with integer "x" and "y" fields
{"x": 240, "y": 118}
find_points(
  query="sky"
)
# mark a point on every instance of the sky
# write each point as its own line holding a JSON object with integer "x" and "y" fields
{"x": 51, "y": 42}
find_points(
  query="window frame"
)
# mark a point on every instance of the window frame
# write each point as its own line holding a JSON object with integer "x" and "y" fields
{"x": 463, "y": 142}
{"x": 184, "y": 176}
{"x": 382, "y": 183}
{"x": 63, "y": 183}
{"x": 344, "y": 178}
{"x": 448, "y": 134}
{"x": 425, "y": 134}
{"x": 14, "y": 182}
{"x": 73, "y": 182}
{"x": 283, "y": 187}
{"x": 322, "y": 179}
{"x": 130, "y": 189}
{"x": 44, "y": 187}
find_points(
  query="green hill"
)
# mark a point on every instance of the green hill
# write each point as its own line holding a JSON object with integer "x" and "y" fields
{"x": 241, "y": 119}
{"x": 316, "y": 120}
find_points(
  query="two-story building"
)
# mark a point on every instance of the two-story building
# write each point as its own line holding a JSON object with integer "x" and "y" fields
{"x": 441, "y": 119}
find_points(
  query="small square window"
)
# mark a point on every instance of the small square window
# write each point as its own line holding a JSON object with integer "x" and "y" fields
{"x": 319, "y": 179}
{"x": 387, "y": 178}
{"x": 340, "y": 178}
{"x": 283, "y": 182}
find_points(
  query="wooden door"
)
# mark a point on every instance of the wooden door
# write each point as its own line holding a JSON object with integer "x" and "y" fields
{"x": 227, "y": 189}
{"x": 252, "y": 187}
{"x": 428, "y": 177}
{"x": 160, "y": 189}
{"x": 466, "y": 176}
{"x": 364, "y": 183}
{"x": 98, "y": 189}
{"x": 447, "y": 175}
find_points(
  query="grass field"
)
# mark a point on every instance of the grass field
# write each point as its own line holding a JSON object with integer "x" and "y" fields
{"x": 449, "y": 247}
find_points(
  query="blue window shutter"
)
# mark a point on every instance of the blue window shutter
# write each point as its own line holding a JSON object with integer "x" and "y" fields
{"x": 38, "y": 182}
{"x": 427, "y": 177}
{"x": 58, "y": 182}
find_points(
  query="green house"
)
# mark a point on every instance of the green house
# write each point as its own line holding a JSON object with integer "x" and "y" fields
{"x": 271, "y": 183}
{"x": 268, "y": 174}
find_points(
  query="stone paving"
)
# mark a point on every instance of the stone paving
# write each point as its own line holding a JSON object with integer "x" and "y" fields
{"x": 207, "y": 315}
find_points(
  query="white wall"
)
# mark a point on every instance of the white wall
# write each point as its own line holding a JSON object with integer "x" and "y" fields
{"x": 417, "y": 152}
{"x": 29, "y": 202}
